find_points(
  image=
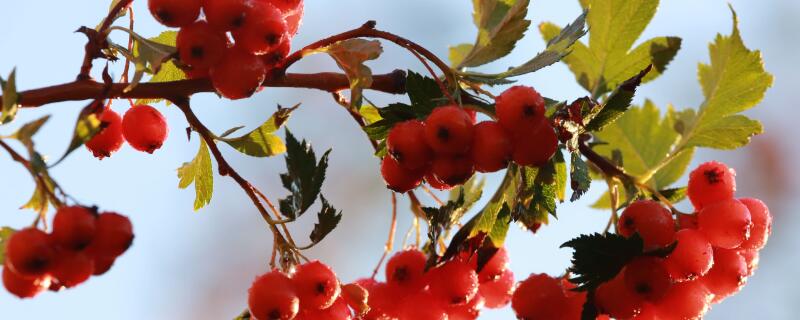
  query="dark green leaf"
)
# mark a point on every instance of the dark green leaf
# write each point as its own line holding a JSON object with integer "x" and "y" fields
{"x": 616, "y": 104}
{"x": 443, "y": 218}
{"x": 5, "y": 233}
{"x": 599, "y": 258}
{"x": 390, "y": 115}
{"x": 10, "y": 98}
{"x": 328, "y": 219}
{"x": 579, "y": 176}
{"x": 424, "y": 94}
{"x": 262, "y": 142}
{"x": 674, "y": 195}
{"x": 304, "y": 177}
{"x": 199, "y": 172}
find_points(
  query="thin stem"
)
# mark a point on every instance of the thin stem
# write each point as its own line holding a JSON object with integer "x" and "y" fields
{"x": 390, "y": 241}
{"x": 96, "y": 39}
{"x": 432, "y": 195}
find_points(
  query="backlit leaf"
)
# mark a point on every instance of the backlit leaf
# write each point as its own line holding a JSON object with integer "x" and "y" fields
{"x": 262, "y": 142}
{"x": 199, "y": 172}
{"x": 350, "y": 55}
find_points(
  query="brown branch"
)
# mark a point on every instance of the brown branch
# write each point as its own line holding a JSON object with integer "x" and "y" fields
{"x": 97, "y": 40}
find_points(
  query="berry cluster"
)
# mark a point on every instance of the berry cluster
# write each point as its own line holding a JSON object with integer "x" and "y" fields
{"x": 262, "y": 31}
{"x": 448, "y": 147}
{"x": 544, "y": 297}
{"x": 83, "y": 243}
{"x": 143, "y": 127}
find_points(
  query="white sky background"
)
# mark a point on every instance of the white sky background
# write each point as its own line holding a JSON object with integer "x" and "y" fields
{"x": 187, "y": 265}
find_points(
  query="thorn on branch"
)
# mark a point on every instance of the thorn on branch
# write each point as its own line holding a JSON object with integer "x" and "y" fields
{"x": 371, "y": 24}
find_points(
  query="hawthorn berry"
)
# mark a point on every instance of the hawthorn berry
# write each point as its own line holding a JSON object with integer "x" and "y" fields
{"x": 728, "y": 274}
{"x": 651, "y": 220}
{"x": 647, "y": 277}
{"x": 495, "y": 267}
{"x": 73, "y": 228}
{"x": 102, "y": 265}
{"x": 272, "y": 296}
{"x": 406, "y": 143}
{"x": 264, "y": 29}
{"x": 534, "y": 146}
{"x": 422, "y": 306}
{"x": 397, "y": 178}
{"x": 110, "y": 138}
{"x": 762, "y": 224}
{"x": 337, "y": 311}
{"x": 616, "y": 300}
{"x": 538, "y": 297}
{"x": 648, "y": 312}
{"x": 454, "y": 282}
{"x": 726, "y": 223}
{"x": 144, "y": 128}
{"x": 685, "y": 300}
{"x": 175, "y": 13}
{"x": 520, "y": 107}
{"x": 316, "y": 285}
{"x": 226, "y": 15}
{"x": 72, "y": 268}
{"x": 30, "y": 253}
{"x": 113, "y": 235}
{"x": 751, "y": 259}
{"x": 239, "y": 74}
{"x": 575, "y": 300}
{"x": 286, "y": 5}
{"x": 382, "y": 300}
{"x": 275, "y": 57}
{"x": 406, "y": 270}
{"x": 294, "y": 19}
{"x": 452, "y": 170}
{"x": 491, "y": 147}
{"x": 469, "y": 311}
{"x": 687, "y": 221}
{"x": 23, "y": 287}
{"x": 497, "y": 292}
{"x": 201, "y": 46}
{"x": 692, "y": 257}
{"x": 449, "y": 130}
{"x": 710, "y": 183}
{"x": 436, "y": 183}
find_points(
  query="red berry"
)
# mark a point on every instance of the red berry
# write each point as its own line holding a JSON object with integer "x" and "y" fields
{"x": 534, "y": 146}
{"x": 275, "y": 57}
{"x": 113, "y": 236}
{"x": 436, "y": 183}
{"x": 651, "y": 220}
{"x": 726, "y": 223}
{"x": 449, "y": 130}
{"x": 711, "y": 182}
{"x": 687, "y": 221}
{"x": 294, "y": 19}
{"x": 316, "y": 284}
{"x": 686, "y": 300}
{"x": 728, "y": 274}
{"x": 497, "y": 293}
{"x": 272, "y": 296}
{"x": 29, "y": 253}
{"x": 397, "y": 178}
{"x": 647, "y": 277}
{"x": 72, "y": 268}
{"x": 495, "y": 267}
{"x": 406, "y": 143}
{"x": 751, "y": 259}
{"x": 102, "y": 265}
{"x": 454, "y": 282}
{"x": 263, "y": 30}
{"x": 422, "y": 306}
{"x": 406, "y": 271}
{"x": 452, "y": 170}
{"x": 575, "y": 300}
{"x": 648, "y": 312}
{"x": 538, "y": 297}
{"x": 144, "y": 128}
{"x": 383, "y": 300}
{"x": 226, "y": 15}
{"x": 109, "y": 139}
{"x": 200, "y": 45}
{"x": 469, "y": 311}
{"x": 286, "y": 5}
{"x": 74, "y": 228}
{"x": 616, "y": 300}
{"x": 491, "y": 147}
{"x": 196, "y": 72}
{"x": 23, "y": 287}
{"x": 337, "y": 311}
{"x": 174, "y": 13}
{"x": 520, "y": 107}
{"x": 692, "y": 256}
{"x": 239, "y": 74}
{"x": 762, "y": 224}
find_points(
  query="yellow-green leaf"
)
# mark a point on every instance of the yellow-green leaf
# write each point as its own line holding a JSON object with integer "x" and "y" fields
{"x": 87, "y": 125}
{"x": 5, "y": 233}
{"x": 350, "y": 55}
{"x": 501, "y": 23}
{"x": 199, "y": 172}
{"x": 262, "y": 142}
{"x": 10, "y": 98}
{"x": 458, "y": 53}
{"x": 370, "y": 113}
{"x": 26, "y": 132}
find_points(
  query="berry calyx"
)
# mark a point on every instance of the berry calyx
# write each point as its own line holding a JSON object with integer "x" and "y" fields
{"x": 647, "y": 277}
{"x": 113, "y": 235}
{"x": 144, "y": 128}
{"x": 726, "y": 223}
{"x": 692, "y": 256}
{"x": 272, "y": 296}
{"x": 452, "y": 170}
{"x": 454, "y": 282}
{"x": 651, "y": 220}
{"x": 264, "y": 29}
{"x": 534, "y": 146}
{"x": 449, "y": 130}
{"x": 174, "y": 13}
{"x": 72, "y": 268}
{"x": 762, "y": 224}
{"x": 73, "y": 228}
{"x": 538, "y": 297}
{"x": 316, "y": 285}
{"x": 239, "y": 74}
{"x": 30, "y": 253}
{"x": 226, "y": 15}
{"x": 711, "y": 182}
{"x": 398, "y": 178}
{"x": 406, "y": 270}
{"x": 406, "y": 143}
{"x": 201, "y": 46}
{"x": 520, "y": 107}
{"x": 23, "y": 287}
{"x": 110, "y": 138}
{"x": 491, "y": 147}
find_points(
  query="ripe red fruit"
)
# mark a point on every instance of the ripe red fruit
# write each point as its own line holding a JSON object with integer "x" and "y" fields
{"x": 575, "y": 300}
{"x": 491, "y": 147}
{"x": 728, "y": 274}
{"x": 406, "y": 271}
{"x": 497, "y": 293}
{"x": 436, "y": 183}
{"x": 294, "y": 19}
{"x": 200, "y": 45}
{"x": 686, "y": 300}
{"x": 449, "y": 130}
{"x": 469, "y": 311}
{"x": 337, "y": 311}
{"x": 452, "y": 170}
{"x": 226, "y": 15}
{"x": 383, "y": 301}
{"x": 239, "y": 74}
{"x": 651, "y": 220}
{"x": 274, "y": 58}
{"x": 454, "y": 282}
{"x": 711, "y": 182}
{"x": 113, "y": 236}
{"x": 762, "y": 224}
{"x": 495, "y": 267}
{"x": 72, "y": 268}
{"x": 616, "y": 300}
{"x": 422, "y": 306}
{"x": 23, "y": 287}
{"x": 726, "y": 223}
{"x": 316, "y": 285}
{"x": 692, "y": 256}
{"x": 263, "y": 30}
{"x": 29, "y": 253}
{"x": 534, "y": 146}
{"x": 144, "y": 128}
{"x": 74, "y": 228}
{"x": 648, "y": 312}
{"x": 687, "y": 221}
{"x": 520, "y": 107}
{"x": 406, "y": 143}
{"x": 272, "y": 296}
{"x": 102, "y": 265}
{"x": 751, "y": 259}
{"x": 538, "y": 297}
{"x": 285, "y": 5}
{"x": 647, "y": 277}
{"x": 397, "y": 178}
{"x": 174, "y": 13}
{"x": 109, "y": 139}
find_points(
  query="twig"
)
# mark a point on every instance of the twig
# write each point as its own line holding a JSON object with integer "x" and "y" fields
{"x": 432, "y": 195}
{"x": 390, "y": 241}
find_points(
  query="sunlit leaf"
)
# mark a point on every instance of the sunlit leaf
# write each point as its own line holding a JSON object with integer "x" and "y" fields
{"x": 199, "y": 172}
{"x": 262, "y": 142}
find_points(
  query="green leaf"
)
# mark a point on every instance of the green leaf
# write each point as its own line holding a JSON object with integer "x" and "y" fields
{"x": 561, "y": 175}
{"x": 328, "y": 219}
{"x": 5, "y": 233}
{"x": 10, "y": 98}
{"x": 370, "y": 113}
{"x": 391, "y": 114}
{"x": 350, "y": 55}
{"x": 599, "y": 258}
{"x": 500, "y": 229}
{"x": 617, "y": 103}
{"x": 262, "y": 142}
{"x": 168, "y": 71}
{"x": 148, "y": 55}
{"x": 304, "y": 177}
{"x": 424, "y": 93}
{"x": 674, "y": 195}
{"x": 579, "y": 176}
{"x": 458, "y": 53}
{"x": 87, "y": 125}
{"x": 443, "y": 218}
{"x": 27, "y": 131}
{"x": 472, "y": 191}
{"x": 200, "y": 173}
{"x": 39, "y": 200}
{"x": 501, "y": 23}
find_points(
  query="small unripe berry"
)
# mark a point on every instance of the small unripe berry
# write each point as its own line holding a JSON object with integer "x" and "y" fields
{"x": 174, "y": 13}
{"x": 398, "y": 178}
{"x": 497, "y": 293}
{"x": 647, "y": 277}
{"x": 454, "y": 282}
{"x": 762, "y": 224}
{"x": 73, "y": 228}
{"x": 200, "y": 45}
{"x": 686, "y": 300}
{"x": 534, "y": 146}
{"x": 449, "y": 130}
{"x": 692, "y": 256}
{"x": 110, "y": 138}
{"x": 406, "y": 143}
{"x": 710, "y": 183}
{"x": 406, "y": 270}
{"x": 728, "y": 274}
{"x": 113, "y": 236}
{"x": 23, "y": 287}
{"x": 144, "y": 128}
{"x": 263, "y": 30}
{"x": 30, "y": 253}
{"x": 726, "y": 223}
{"x": 651, "y": 220}
{"x": 538, "y": 297}
{"x": 239, "y": 74}
{"x": 452, "y": 170}
{"x": 272, "y": 296}
{"x": 316, "y": 285}
{"x": 491, "y": 147}
{"x": 72, "y": 268}
{"x": 226, "y": 15}
{"x": 520, "y": 107}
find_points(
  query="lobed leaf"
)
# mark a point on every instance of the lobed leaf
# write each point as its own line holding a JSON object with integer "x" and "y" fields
{"x": 262, "y": 142}
{"x": 199, "y": 172}
{"x": 350, "y": 56}
{"x": 579, "y": 176}
{"x": 600, "y": 257}
{"x": 617, "y": 103}
{"x": 328, "y": 218}
{"x": 10, "y": 98}
{"x": 304, "y": 177}
{"x": 500, "y": 25}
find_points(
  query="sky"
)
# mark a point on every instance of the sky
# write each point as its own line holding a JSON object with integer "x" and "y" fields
{"x": 198, "y": 265}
